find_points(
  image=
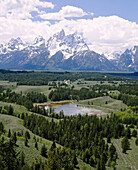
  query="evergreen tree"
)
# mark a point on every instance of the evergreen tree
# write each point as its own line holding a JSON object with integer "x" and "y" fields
{"x": 14, "y": 138}
{"x": 53, "y": 146}
{"x": 22, "y": 159}
{"x": 26, "y": 142}
{"x": 9, "y": 133}
{"x": 134, "y": 133}
{"x": 36, "y": 145}
{"x": 74, "y": 160}
{"x": 125, "y": 144}
{"x": 44, "y": 151}
{"x": 27, "y": 135}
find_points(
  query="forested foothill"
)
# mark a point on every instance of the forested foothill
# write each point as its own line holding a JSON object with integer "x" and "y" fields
{"x": 77, "y": 141}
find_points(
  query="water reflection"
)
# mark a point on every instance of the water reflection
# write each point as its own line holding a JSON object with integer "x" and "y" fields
{"x": 73, "y": 109}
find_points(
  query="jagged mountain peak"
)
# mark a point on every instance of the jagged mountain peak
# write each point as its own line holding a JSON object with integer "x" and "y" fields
{"x": 60, "y": 35}
{"x": 39, "y": 39}
{"x": 67, "y": 44}
{"x": 15, "y": 41}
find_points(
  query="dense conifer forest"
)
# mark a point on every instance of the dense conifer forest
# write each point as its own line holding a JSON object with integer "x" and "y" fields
{"x": 75, "y": 138}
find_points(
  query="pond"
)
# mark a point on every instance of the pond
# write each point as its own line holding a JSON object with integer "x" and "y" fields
{"x": 73, "y": 109}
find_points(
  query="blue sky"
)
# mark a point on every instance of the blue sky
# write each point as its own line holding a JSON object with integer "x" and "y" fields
{"x": 127, "y": 9}
{"x": 106, "y": 25}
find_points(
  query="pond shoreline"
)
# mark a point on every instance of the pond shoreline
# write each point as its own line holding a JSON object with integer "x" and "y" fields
{"x": 56, "y": 103}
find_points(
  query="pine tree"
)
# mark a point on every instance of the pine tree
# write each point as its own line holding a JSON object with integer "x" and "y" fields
{"x": 44, "y": 151}
{"x": 74, "y": 160}
{"x": 14, "y": 138}
{"x": 9, "y": 133}
{"x": 26, "y": 142}
{"x": 36, "y": 145}
{"x": 22, "y": 159}
{"x": 53, "y": 146}
{"x": 134, "y": 133}
{"x": 125, "y": 144}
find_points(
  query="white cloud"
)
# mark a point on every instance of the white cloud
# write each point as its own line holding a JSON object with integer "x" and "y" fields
{"x": 65, "y": 12}
{"x": 21, "y": 8}
{"x": 102, "y": 33}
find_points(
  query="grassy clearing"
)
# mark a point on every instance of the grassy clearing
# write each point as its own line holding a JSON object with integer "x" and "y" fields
{"x": 40, "y": 89}
{"x": 129, "y": 160}
{"x": 81, "y": 83}
{"x": 31, "y": 153}
{"x": 45, "y": 89}
{"x": 21, "y": 109}
{"x": 105, "y": 103}
{"x": 7, "y": 83}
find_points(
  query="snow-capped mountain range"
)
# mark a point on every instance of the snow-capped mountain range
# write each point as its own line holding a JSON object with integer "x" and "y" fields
{"x": 68, "y": 52}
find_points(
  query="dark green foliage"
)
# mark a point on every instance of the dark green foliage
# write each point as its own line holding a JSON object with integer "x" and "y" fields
{"x": 22, "y": 159}
{"x": 26, "y": 142}
{"x": 74, "y": 160}
{"x": 1, "y": 128}
{"x": 128, "y": 133}
{"x": 134, "y": 133}
{"x": 27, "y": 135}
{"x": 42, "y": 78}
{"x": 44, "y": 151}
{"x": 14, "y": 138}
{"x": 18, "y": 98}
{"x": 59, "y": 159}
{"x": 112, "y": 151}
{"x": 9, "y": 133}
{"x": 69, "y": 94}
{"x": 36, "y": 97}
{"x": 8, "y": 155}
{"x": 125, "y": 144}
{"x": 53, "y": 146}
{"x": 84, "y": 133}
{"x": 36, "y": 145}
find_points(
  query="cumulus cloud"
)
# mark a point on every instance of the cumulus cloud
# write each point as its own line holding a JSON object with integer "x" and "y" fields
{"x": 104, "y": 33}
{"x": 101, "y": 34}
{"x": 65, "y": 12}
{"x": 21, "y": 8}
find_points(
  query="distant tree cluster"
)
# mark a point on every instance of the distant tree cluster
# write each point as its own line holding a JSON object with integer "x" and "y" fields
{"x": 42, "y": 78}
{"x": 25, "y": 100}
{"x": 73, "y": 94}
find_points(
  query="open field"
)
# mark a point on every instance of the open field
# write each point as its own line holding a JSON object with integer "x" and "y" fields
{"x": 78, "y": 84}
{"x": 40, "y": 89}
{"x": 104, "y": 103}
{"x": 129, "y": 160}
{"x": 16, "y": 125}
{"x": 82, "y": 83}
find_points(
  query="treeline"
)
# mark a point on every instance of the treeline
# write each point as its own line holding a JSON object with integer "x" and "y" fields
{"x": 83, "y": 134}
{"x": 48, "y": 112}
{"x": 73, "y": 94}
{"x": 32, "y": 82}
{"x": 18, "y": 98}
{"x": 42, "y": 78}
{"x": 128, "y": 92}
{"x": 131, "y": 89}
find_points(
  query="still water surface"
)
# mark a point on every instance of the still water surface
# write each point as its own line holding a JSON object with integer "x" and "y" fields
{"x": 73, "y": 109}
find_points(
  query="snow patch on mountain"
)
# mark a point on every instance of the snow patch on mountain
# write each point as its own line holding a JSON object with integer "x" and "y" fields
{"x": 69, "y": 45}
